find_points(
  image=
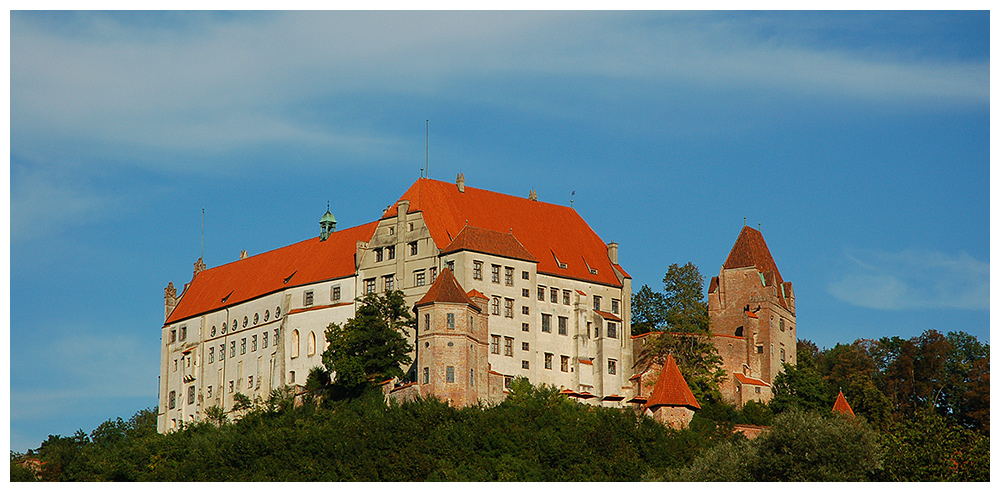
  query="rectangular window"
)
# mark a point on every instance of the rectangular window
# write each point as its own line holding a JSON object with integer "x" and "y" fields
{"x": 548, "y": 361}
{"x": 390, "y": 252}
{"x": 419, "y": 278}
{"x": 781, "y": 323}
{"x": 782, "y": 354}
{"x": 597, "y": 303}
{"x": 472, "y": 377}
{"x": 554, "y": 295}
{"x": 334, "y": 294}
{"x": 307, "y": 298}
{"x": 612, "y": 330}
{"x": 427, "y": 375}
{"x": 524, "y": 346}
{"x": 449, "y": 374}
{"x": 495, "y": 344}
{"x": 524, "y": 365}
{"x": 184, "y": 332}
{"x": 243, "y": 346}
{"x": 209, "y": 391}
{"x": 173, "y": 336}
{"x": 211, "y": 355}
{"x": 495, "y": 306}
{"x": 597, "y": 329}
{"x": 427, "y": 322}
{"x": 222, "y": 351}
{"x": 378, "y": 254}
{"x": 508, "y": 276}
{"x": 525, "y": 276}
{"x": 496, "y": 274}
{"x": 564, "y": 363}
{"x": 508, "y": 346}
{"x": 541, "y": 292}
{"x": 525, "y": 293}
{"x": 275, "y": 337}
{"x": 760, "y": 349}
{"x": 413, "y": 248}
{"x": 566, "y": 297}
{"x": 451, "y": 321}
{"x": 263, "y": 339}
{"x": 547, "y": 323}
{"x": 563, "y": 322}
{"x": 614, "y": 306}
{"x": 612, "y": 366}
{"x": 589, "y": 324}
{"x": 506, "y": 381}
{"x": 389, "y": 284}
{"x": 172, "y": 400}
{"x": 249, "y": 382}
{"x": 253, "y": 343}
{"x": 525, "y": 327}
{"x": 525, "y": 310}
{"x": 508, "y": 308}
{"x": 232, "y": 349}
{"x": 369, "y": 286}
{"x": 231, "y": 385}
{"x": 434, "y": 274}
{"x": 191, "y": 391}
{"x": 477, "y": 270}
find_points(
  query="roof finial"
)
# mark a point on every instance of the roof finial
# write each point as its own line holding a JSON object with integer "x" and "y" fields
{"x": 571, "y": 197}
{"x": 744, "y": 221}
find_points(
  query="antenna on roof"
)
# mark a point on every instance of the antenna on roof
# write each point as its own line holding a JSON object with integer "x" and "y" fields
{"x": 571, "y": 197}
{"x": 427, "y": 149}
{"x": 202, "y": 233}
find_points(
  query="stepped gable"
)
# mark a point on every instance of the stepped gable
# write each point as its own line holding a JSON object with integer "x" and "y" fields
{"x": 265, "y": 273}
{"x": 446, "y": 289}
{"x": 548, "y": 232}
{"x": 750, "y": 250}
{"x": 841, "y": 405}
{"x": 489, "y": 242}
{"x": 671, "y": 389}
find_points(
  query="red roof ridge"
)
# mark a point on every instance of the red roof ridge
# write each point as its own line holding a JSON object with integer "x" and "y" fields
{"x": 841, "y": 405}
{"x": 490, "y": 242}
{"x": 446, "y": 289}
{"x": 671, "y": 389}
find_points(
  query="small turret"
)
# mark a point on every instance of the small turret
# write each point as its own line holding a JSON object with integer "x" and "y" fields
{"x": 327, "y": 224}
{"x": 460, "y": 182}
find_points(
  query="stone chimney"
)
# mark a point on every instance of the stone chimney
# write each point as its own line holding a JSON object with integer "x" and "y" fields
{"x": 460, "y": 181}
{"x": 244, "y": 255}
{"x": 613, "y": 252}
{"x": 533, "y": 195}
{"x": 199, "y": 266}
{"x": 169, "y": 300}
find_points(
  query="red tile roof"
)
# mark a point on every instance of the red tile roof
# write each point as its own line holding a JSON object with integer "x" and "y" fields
{"x": 608, "y": 316}
{"x": 671, "y": 389}
{"x": 750, "y": 250}
{"x": 545, "y": 230}
{"x": 841, "y": 405}
{"x": 269, "y": 272}
{"x": 489, "y": 242}
{"x": 743, "y": 379}
{"x": 446, "y": 289}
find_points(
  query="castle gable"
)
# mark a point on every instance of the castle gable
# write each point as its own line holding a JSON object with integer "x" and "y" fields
{"x": 556, "y": 236}
{"x": 489, "y": 242}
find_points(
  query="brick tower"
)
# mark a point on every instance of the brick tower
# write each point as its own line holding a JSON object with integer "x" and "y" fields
{"x": 672, "y": 403}
{"x": 452, "y": 334}
{"x": 752, "y": 314}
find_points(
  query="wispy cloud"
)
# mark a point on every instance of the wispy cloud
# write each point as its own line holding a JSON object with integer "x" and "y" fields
{"x": 211, "y": 85}
{"x": 43, "y": 200}
{"x": 913, "y": 279}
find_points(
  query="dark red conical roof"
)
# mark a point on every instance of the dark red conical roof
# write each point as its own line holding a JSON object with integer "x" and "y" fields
{"x": 841, "y": 405}
{"x": 446, "y": 289}
{"x": 671, "y": 389}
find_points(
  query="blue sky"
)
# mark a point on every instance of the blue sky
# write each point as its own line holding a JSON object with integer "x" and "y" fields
{"x": 859, "y": 142}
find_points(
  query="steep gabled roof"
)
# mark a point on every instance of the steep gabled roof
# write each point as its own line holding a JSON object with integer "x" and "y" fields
{"x": 446, "y": 289}
{"x": 302, "y": 263}
{"x": 671, "y": 389}
{"x": 547, "y": 231}
{"x": 750, "y": 250}
{"x": 489, "y": 242}
{"x": 841, "y": 405}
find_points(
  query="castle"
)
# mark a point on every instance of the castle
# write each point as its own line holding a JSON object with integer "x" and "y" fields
{"x": 501, "y": 286}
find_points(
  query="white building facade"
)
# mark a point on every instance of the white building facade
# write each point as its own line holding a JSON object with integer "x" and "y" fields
{"x": 558, "y": 310}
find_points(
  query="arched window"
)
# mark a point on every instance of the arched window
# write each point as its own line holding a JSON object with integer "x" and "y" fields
{"x": 311, "y": 346}
{"x": 295, "y": 343}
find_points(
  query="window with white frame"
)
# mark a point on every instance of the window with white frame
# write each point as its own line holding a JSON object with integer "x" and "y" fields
{"x": 541, "y": 292}
{"x": 451, "y": 321}
{"x": 566, "y": 297}
{"x": 388, "y": 280}
{"x": 525, "y": 310}
{"x": 547, "y": 323}
{"x": 548, "y": 361}
{"x": 477, "y": 270}
{"x": 307, "y": 299}
{"x": 564, "y": 363}
{"x": 369, "y": 286}
{"x": 508, "y": 308}
{"x": 508, "y": 275}
{"x": 449, "y": 374}
{"x": 495, "y": 306}
{"x": 614, "y": 306}
{"x": 419, "y": 278}
{"x": 334, "y": 295}
{"x": 612, "y": 330}
{"x": 390, "y": 252}
{"x": 495, "y": 344}
{"x": 508, "y": 346}
{"x": 554, "y": 295}
{"x": 525, "y": 327}
{"x": 597, "y": 303}
{"x": 496, "y": 274}
{"x": 612, "y": 366}
{"x": 563, "y": 322}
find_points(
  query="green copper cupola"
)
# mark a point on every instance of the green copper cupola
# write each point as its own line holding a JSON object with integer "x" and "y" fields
{"x": 327, "y": 224}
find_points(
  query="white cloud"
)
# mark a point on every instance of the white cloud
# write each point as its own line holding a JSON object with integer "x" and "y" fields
{"x": 913, "y": 279}
{"x": 211, "y": 85}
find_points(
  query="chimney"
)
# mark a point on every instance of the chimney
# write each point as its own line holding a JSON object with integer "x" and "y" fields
{"x": 613, "y": 252}
{"x": 199, "y": 266}
{"x": 533, "y": 195}
{"x": 460, "y": 181}
{"x": 243, "y": 254}
{"x": 169, "y": 300}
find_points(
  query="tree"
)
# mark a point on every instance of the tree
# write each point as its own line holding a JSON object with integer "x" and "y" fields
{"x": 696, "y": 357}
{"x": 681, "y": 307}
{"x": 929, "y": 448}
{"x": 801, "y": 387}
{"x": 371, "y": 345}
{"x": 649, "y": 311}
